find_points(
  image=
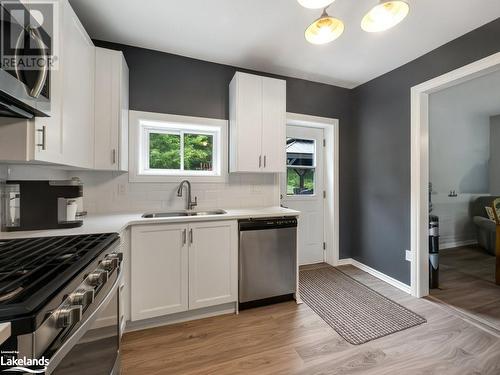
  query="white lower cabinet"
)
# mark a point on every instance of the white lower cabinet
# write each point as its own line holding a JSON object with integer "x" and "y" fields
{"x": 213, "y": 264}
{"x": 159, "y": 270}
{"x": 180, "y": 267}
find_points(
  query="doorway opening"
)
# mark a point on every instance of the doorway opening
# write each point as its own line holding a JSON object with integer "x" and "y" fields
{"x": 464, "y": 180}
{"x": 458, "y": 196}
{"x": 310, "y": 185}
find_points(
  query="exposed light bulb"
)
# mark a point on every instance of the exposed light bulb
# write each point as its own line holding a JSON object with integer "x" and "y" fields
{"x": 324, "y": 30}
{"x": 383, "y": 16}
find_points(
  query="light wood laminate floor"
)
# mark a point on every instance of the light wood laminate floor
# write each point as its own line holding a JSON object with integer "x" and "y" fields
{"x": 291, "y": 339}
{"x": 467, "y": 283}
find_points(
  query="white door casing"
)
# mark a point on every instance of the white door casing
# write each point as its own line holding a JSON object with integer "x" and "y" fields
{"x": 420, "y": 162}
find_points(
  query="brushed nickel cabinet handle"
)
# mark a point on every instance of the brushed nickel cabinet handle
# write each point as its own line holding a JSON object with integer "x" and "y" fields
{"x": 43, "y": 132}
{"x": 191, "y": 236}
{"x": 113, "y": 156}
{"x": 184, "y": 236}
{"x": 265, "y": 158}
{"x": 260, "y": 161}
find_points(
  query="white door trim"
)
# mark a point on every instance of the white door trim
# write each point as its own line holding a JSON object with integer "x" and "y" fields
{"x": 420, "y": 162}
{"x": 331, "y": 178}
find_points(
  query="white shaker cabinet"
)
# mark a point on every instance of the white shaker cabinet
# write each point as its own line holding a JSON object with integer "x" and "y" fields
{"x": 111, "y": 110}
{"x": 159, "y": 270}
{"x": 257, "y": 124}
{"x": 181, "y": 267}
{"x": 78, "y": 92}
{"x": 213, "y": 263}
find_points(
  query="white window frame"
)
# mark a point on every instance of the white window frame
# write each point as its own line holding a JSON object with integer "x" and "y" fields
{"x": 144, "y": 123}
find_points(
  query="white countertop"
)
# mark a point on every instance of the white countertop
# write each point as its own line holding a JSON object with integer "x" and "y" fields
{"x": 111, "y": 223}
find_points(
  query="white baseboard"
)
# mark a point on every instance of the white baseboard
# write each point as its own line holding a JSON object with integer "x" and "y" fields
{"x": 207, "y": 312}
{"x": 379, "y": 275}
{"x": 452, "y": 244}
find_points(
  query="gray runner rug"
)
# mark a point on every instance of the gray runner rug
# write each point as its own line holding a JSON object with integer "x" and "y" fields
{"x": 356, "y": 312}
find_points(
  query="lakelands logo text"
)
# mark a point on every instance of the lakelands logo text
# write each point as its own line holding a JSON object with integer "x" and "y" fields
{"x": 23, "y": 364}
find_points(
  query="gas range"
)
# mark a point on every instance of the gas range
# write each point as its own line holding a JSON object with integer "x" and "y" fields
{"x": 53, "y": 290}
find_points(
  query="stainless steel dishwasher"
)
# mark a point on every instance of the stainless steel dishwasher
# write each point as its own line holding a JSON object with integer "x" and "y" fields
{"x": 267, "y": 261}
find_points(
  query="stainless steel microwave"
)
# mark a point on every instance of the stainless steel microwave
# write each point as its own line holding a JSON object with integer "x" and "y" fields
{"x": 24, "y": 65}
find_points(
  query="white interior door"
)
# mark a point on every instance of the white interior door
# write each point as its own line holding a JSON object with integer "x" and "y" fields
{"x": 302, "y": 189}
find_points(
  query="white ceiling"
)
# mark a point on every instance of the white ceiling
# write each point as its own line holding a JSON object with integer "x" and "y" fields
{"x": 267, "y": 35}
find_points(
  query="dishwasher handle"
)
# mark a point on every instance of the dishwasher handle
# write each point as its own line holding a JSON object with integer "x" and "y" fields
{"x": 268, "y": 223}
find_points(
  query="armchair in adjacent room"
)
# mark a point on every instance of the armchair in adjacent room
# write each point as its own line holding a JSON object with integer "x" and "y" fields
{"x": 485, "y": 228}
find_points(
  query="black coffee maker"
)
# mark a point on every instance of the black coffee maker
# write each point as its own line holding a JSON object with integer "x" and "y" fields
{"x": 42, "y": 204}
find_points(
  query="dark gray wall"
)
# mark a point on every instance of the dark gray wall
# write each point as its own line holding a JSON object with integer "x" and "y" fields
{"x": 380, "y": 160}
{"x": 166, "y": 83}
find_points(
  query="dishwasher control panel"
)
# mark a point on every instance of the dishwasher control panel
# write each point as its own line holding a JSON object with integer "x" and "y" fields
{"x": 268, "y": 223}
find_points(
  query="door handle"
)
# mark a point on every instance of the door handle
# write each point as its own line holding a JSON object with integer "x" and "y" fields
{"x": 113, "y": 156}
{"x": 191, "y": 235}
{"x": 265, "y": 158}
{"x": 260, "y": 161}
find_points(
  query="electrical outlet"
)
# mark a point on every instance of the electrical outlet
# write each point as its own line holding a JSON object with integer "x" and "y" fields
{"x": 408, "y": 255}
{"x": 122, "y": 189}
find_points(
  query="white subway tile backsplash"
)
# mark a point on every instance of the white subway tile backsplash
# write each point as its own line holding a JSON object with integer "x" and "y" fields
{"x": 112, "y": 192}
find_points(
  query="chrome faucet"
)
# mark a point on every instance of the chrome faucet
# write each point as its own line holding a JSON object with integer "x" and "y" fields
{"x": 189, "y": 204}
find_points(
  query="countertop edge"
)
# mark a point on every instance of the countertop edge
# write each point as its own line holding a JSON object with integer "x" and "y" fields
{"x": 118, "y": 222}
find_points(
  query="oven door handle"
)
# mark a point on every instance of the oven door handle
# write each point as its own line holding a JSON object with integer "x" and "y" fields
{"x": 78, "y": 334}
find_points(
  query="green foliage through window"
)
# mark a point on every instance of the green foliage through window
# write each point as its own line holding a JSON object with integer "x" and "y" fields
{"x": 300, "y": 181}
{"x": 165, "y": 151}
{"x": 198, "y": 152}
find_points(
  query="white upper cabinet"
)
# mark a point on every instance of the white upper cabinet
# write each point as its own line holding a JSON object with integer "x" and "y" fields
{"x": 67, "y": 136}
{"x": 257, "y": 124}
{"x": 78, "y": 89}
{"x": 111, "y": 110}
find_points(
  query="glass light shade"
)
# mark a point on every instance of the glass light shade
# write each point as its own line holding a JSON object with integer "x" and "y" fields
{"x": 324, "y": 30}
{"x": 385, "y": 15}
{"x": 315, "y": 4}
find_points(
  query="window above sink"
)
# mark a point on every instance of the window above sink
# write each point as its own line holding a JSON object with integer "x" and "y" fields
{"x": 168, "y": 148}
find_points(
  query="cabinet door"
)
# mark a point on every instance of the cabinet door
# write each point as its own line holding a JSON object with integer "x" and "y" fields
{"x": 111, "y": 110}
{"x": 245, "y": 123}
{"x": 78, "y": 92}
{"x": 159, "y": 270}
{"x": 213, "y": 253}
{"x": 123, "y": 120}
{"x": 106, "y": 109}
{"x": 273, "y": 125}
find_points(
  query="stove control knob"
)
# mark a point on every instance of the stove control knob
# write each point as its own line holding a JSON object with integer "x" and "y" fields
{"x": 68, "y": 315}
{"x": 118, "y": 256}
{"x": 109, "y": 264}
{"x": 97, "y": 278}
{"x": 83, "y": 297}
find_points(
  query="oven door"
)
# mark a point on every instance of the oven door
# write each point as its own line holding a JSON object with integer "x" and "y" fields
{"x": 94, "y": 348}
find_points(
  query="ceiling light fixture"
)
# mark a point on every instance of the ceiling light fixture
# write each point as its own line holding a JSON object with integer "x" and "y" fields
{"x": 324, "y": 30}
{"x": 383, "y": 16}
{"x": 315, "y": 4}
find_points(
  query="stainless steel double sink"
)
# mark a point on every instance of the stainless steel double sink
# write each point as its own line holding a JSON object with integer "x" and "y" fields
{"x": 153, "y": 215}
